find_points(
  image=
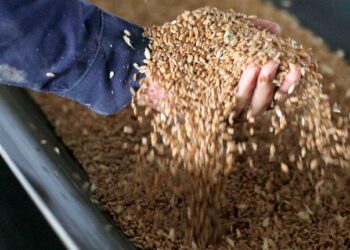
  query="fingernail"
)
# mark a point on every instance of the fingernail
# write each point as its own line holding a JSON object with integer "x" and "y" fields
{"x": 276, "y": 59}
{"x": 275, "y": 62}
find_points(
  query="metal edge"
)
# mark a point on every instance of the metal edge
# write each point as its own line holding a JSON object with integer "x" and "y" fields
{"x": 56, "y": 225}
{"x": 51, "y": 176}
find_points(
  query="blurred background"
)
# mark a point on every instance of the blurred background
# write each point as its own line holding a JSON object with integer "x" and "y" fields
{"x": 21, "y": 224}
{"x": 328, "y": 19}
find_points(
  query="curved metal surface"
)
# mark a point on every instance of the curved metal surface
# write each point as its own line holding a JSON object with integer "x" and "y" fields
{"x": 51, "y": 176}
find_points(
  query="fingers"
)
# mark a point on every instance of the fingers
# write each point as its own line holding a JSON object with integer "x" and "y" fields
{"x": 269, "y": 26}
{"x": 264, "y": 91}
{"x": 246, "y": 88}
{"x": 256, "y": 89}
{"x": 289, "y": 83}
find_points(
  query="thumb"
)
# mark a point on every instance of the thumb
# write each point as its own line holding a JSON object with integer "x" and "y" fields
{"x": 269, "y": 26}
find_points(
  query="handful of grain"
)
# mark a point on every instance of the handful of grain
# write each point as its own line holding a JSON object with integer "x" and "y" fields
{"x": 200, "y": 57}
{"x": 265, "y": 208}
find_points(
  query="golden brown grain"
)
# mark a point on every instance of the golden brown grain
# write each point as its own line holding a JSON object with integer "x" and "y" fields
{"x": 251, "y": 194}
{"x": 220, "y": 47}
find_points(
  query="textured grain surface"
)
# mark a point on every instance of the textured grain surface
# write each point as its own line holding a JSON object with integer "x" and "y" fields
{"x": 265, "y": 207}
{"x": 199, "y": 58}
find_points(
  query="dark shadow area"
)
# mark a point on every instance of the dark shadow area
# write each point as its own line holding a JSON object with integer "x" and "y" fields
{"x": 329, "y": 19}
{"x": 22, "y": 226}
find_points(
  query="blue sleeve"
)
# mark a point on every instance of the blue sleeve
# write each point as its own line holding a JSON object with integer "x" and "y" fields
{"x": 72, "y": 49}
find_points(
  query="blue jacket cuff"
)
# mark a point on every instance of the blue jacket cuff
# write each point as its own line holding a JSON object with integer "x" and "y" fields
{"x": 105, "y": 87}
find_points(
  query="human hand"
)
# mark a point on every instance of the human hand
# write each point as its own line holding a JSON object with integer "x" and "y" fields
{"x": 255, "y": 91}
{"x": 151, "y": 92}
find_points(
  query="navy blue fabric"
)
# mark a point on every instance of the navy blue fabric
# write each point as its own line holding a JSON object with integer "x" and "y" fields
{"x": 69, "y": 48}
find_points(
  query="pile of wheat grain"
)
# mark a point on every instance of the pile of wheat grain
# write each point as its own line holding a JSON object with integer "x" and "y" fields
{"x": 265, "y": 208}
{"x": 199, "y": 58}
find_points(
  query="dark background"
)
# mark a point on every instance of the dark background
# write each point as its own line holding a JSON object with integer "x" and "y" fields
{"x": 21, "y": 224}
{"x": 330, "y": 19}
